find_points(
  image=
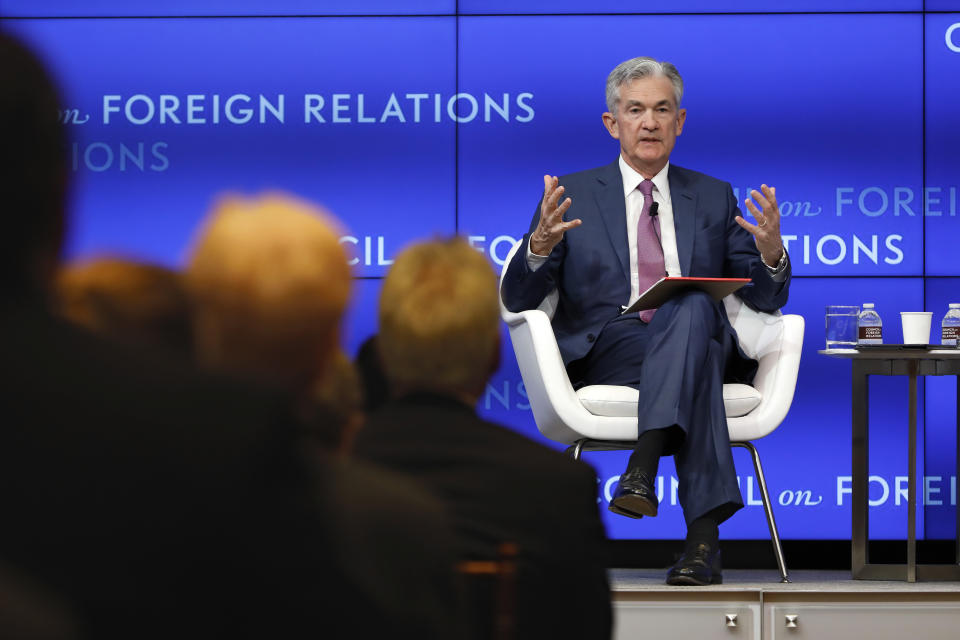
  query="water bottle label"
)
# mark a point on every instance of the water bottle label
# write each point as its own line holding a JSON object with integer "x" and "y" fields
{"x": 948, "y": 335}
{"x": 870, "y": 333}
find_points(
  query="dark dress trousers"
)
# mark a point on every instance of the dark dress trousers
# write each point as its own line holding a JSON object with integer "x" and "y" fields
{"x": 502, "y": 487}
{"x": 681, "y": 359}
{"x": 161, "y": 503}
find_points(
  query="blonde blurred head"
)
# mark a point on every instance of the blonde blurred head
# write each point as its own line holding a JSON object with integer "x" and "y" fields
{"x": 269, "y": 282}
{"x": 439, "y": 318}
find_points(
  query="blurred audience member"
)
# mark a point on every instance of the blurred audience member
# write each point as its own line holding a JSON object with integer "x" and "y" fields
{"x": 157, "y": 502}
{"x": 130, "y": 301}
{"x": 338, "y": 397}
{"x": 269, "y": 283}
{"x": 439, "y": 343}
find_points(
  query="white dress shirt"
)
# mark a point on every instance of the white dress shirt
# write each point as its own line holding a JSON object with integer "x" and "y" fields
{"x": 668, "y": 233}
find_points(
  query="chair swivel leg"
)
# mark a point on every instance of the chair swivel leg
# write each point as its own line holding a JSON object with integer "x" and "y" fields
{"x": 768, "y": 509}
{"x": 576, "y": 449}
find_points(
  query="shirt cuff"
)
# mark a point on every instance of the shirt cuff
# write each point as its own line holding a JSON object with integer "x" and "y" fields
{"x": 779, "y": 272}
{"x": 534, "y": 261}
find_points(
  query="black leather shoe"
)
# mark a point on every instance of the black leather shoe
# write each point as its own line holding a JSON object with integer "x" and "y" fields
{"x": 699, "y": 566}
{"x": 635, "y": 496}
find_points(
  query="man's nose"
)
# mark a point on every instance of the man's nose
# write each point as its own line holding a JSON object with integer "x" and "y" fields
{"x": 647, "y": 121}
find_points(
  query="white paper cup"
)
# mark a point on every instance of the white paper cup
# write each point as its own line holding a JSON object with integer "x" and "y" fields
{"x": 916, "y": 326}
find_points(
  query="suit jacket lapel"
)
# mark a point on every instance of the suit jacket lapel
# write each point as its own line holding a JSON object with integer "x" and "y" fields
{"x": 684, "y": 201}
{"x": 613, "y": 212}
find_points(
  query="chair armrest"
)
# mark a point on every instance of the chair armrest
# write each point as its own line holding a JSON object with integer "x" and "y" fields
{"x": 514, "y": 319}
{"x": 776, "y": 380}
{"x": 557, "y": 411}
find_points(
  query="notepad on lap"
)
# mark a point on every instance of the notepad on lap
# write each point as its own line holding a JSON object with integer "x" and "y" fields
{"x": 667, "y": 287}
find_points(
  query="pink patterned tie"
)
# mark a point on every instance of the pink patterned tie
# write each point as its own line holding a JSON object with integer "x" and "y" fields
{"x": 650, "y": 266}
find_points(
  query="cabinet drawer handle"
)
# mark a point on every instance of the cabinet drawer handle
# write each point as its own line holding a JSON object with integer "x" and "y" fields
{"x": 792, "y": 621}
{"x": 731, "y": 619}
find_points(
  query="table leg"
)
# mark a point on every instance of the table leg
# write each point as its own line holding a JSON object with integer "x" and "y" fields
{"x": 912, "y": 475}
{"x": 860, "y": 450}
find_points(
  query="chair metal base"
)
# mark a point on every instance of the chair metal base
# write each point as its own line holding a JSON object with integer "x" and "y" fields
{"x": 580, "y": 446}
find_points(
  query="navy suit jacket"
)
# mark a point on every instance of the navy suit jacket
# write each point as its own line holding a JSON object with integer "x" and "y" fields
{"x": 590, "y": 266}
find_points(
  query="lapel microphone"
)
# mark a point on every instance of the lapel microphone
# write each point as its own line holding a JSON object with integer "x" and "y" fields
{"x": 654, "y": 212}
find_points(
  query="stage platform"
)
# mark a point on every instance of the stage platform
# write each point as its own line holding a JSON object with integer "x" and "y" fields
{"x": 821, "y": 605}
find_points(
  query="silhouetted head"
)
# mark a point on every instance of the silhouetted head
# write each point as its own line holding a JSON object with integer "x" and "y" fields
{"x": 33, "y": 168}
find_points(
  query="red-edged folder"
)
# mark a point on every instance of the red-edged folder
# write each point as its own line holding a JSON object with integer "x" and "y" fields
{"x": 666, "y": 288}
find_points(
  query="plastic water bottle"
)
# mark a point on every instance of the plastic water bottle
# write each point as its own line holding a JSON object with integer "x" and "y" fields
{"x": 869, "y": 326}
{"x": 950, "y": 327}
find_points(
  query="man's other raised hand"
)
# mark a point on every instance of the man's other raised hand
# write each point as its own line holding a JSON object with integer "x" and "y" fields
{"x": 551, "y": 226}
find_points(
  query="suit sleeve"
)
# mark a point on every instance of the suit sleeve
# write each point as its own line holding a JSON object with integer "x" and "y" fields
{"x": 743, "y": 261}
{"x": 525, "y": 289}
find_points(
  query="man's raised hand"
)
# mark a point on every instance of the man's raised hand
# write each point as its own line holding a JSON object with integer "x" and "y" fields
{"x": 551, "y": 227}
{"x": 767, "y": 230}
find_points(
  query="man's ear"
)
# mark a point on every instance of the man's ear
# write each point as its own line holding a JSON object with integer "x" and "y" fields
{"x": 681, "y": 118}
{"x": 610, "y": 122}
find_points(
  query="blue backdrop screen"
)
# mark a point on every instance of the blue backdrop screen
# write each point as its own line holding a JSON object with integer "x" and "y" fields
{"x": 942, "y": 188}
{"x": 179, "y": 111}
{"x": 411, "y": 119}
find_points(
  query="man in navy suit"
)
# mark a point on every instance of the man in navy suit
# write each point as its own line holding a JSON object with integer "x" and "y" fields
{"x": 633, "y": 222}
